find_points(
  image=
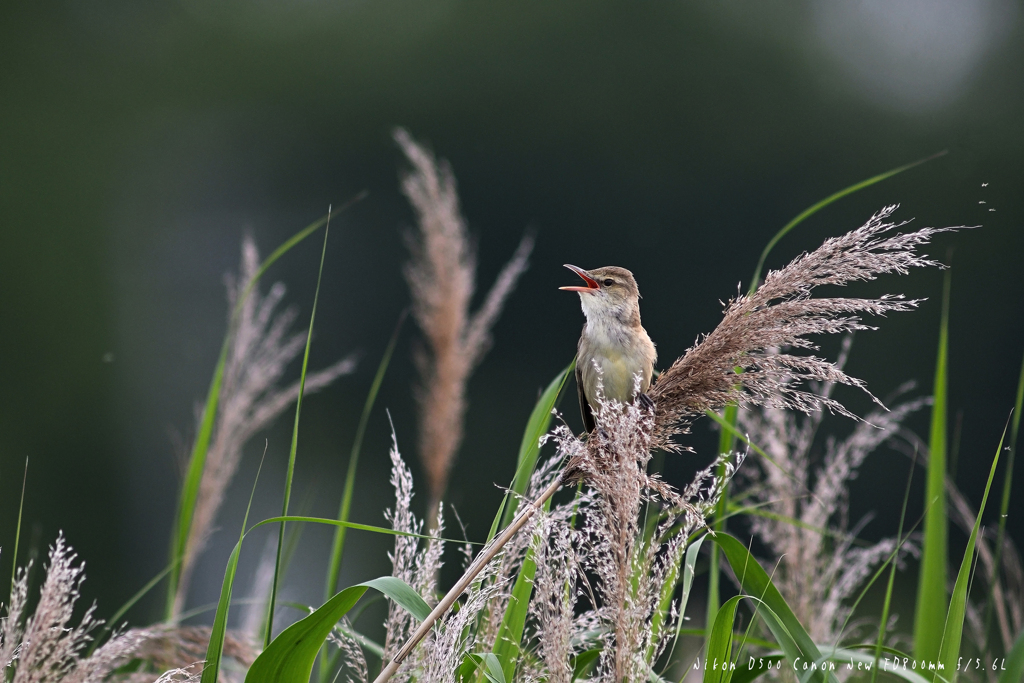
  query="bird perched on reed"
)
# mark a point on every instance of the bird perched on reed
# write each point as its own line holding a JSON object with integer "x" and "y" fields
{"x": 614, "y": 347}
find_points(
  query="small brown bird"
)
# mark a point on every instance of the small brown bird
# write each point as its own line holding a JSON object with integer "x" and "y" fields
{"x": 613, "y": 339}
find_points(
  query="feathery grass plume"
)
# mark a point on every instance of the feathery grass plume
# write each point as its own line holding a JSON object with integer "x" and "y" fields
{"x": 632, "y": 573}
{"x": 418, "y": 563}
{"x": 415, "y": 562}
{"x": 352, "y": 656}
{"x": 47, "y": 648}
{"x": 818, "y": 564}
{"x": 556, "y": 547}
{"x": 261, "y": 349}
{"x": 442, "y": 279}
{"x": 734, "y": 362}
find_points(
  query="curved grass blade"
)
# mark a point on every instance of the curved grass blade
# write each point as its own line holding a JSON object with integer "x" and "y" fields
{"x": 771, "y": 606}
{"x": 726, "y": 444}
{"x": 949, "y": 649}
{"x": 338, "y": 545}
{"x": 814, "y": 208}
{"x": 197, "y": 458}
{"x": 1014, "y": 662}
{"x": 215, "y": 649}
{"x": 1004, "y": 505}
{"x": 719, "y": 650}
{"x": 584, "y": 661}
{"x": 295, "y": 443}
{"x": 931, "y": 584}
{"x": 490, "y": 666}
{"x": 669, "y": 589}
{"x": 291, "y": 655}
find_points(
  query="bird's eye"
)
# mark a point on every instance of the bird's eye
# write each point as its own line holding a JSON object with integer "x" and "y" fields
{"x": 609, "y": 282}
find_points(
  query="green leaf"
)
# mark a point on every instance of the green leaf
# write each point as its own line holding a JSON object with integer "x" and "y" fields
{"x": 491, "y": 667}
{"x": 338, "y": 545}
{"x": 931, "y": 584}
{"x": 293, "y": 451}
{"x": 949, "y": 650}
{"x": 771, "y": 606}
{"x": 1004, "y": 505}
{"x": 584, "y": 660}
{"x": 529, "y": 447}
{"x": 404, "y": 595}
{"x": 669, "y": 589}
{"x": 290, "y": 657}
{"x": 1014, "y": 662}
{"x": 719, "y": 650}
{"x": 510, "y": 633}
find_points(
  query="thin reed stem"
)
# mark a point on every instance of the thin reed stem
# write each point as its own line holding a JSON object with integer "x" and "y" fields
{"x": 482, "y": 560}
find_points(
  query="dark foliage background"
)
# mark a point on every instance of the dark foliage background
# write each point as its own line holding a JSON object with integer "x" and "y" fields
{"x": 140, "y": 140}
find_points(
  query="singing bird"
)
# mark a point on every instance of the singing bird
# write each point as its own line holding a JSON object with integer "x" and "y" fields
{"x": 613, "y": 339}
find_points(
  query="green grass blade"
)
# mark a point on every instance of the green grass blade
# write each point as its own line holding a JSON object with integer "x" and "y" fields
{"x": 931, "y": 586}
{"x": 17, "y": 532}
{"x": 726, "y": 444}
{"x": 529, "y": 447}
{"x": 811, "y": 210}
{"x": 338, "y": 546}
{"x": 584, "y": 661}
{"x": 290, "y": 657}
{"x": 719, "y": 651}
{"x": 668, "y": 590}
{"x": 1014, "y": 662}
{"x": 949, "y": 649}
{"x": 295, "y": 445}
{"x": 883, "y": 622}
{"x": 510, "y": 634}
{"x": 197, "y": 458}
{"x": 1004, "y": 504}
{"x": 215, "y": 649}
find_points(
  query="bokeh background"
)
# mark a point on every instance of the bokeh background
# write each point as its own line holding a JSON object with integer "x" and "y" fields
{"x": 140, "y": 141}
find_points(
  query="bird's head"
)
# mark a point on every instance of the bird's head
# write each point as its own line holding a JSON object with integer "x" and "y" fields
{"x": 608, "y": 291}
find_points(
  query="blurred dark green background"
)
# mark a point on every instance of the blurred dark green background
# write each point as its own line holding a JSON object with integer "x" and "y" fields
{"x": 139, "y": 141}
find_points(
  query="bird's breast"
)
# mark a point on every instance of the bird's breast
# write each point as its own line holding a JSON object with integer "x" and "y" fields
{"x": 621, "y": 355}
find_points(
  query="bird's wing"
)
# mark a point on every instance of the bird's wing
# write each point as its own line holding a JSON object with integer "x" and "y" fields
{"x": 585, "y": 410}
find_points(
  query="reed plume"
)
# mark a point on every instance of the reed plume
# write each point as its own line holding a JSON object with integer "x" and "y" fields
{"x": 819, "y": 563}
{"x": 735, "y": 362}
{"x": 250, "y": 400}
{"x": 442, "y": 279}
{"x": 44, "y": 646}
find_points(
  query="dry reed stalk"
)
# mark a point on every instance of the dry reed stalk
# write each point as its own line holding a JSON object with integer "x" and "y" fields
{"x": 442, "y": 279}
{"x": 261, "y": 349}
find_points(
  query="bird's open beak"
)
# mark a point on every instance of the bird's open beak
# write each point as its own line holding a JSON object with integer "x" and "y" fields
{"x": 592, "y": 285}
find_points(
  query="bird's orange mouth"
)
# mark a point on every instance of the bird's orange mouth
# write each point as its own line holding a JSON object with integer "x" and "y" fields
{"x": 592, "y": 285}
